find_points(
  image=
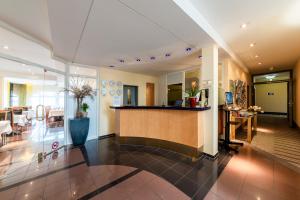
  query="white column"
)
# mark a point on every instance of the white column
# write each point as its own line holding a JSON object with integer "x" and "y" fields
{"x": 67, "y": 135}
{"x": 209, "y": 79}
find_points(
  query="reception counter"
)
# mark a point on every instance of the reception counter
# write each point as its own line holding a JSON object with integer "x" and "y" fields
{"x": 176, "y": 128}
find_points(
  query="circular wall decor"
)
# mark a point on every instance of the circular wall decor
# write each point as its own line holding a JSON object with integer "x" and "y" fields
{"x": 119, "y": 92}
{"x": 103, "y": 83}
{"x": 112, "y": 92}
{"x": 119, "y": 84}
{"x": 112, "y": 83}
{"x": 103, "y": 91}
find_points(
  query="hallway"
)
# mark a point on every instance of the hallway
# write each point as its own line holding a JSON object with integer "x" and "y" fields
{"x": 276, "y": 137}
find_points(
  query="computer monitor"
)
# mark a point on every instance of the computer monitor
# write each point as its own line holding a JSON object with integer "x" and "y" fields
{"x": 228, "y": 98}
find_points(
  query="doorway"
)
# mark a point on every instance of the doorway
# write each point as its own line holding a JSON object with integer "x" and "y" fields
{"x": 150, "y": 94}
{"x": 274, "y": 93}
{"x": 130, "y": 95}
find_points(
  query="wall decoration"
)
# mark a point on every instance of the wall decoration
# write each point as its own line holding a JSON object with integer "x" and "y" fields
{"x": 103, "y": 83}
{"x": 112, "y": 92}
{"x": 119, "y": 84}
{"x": 112, "y": 83}
{"x": 103, "y": 91}
{"x": 239, "y": 91}
{"x": 119, "y": 92}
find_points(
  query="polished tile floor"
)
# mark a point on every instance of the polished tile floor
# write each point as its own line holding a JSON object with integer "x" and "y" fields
{"x": 276, "y": 137}
{"x": 104, "y": 169}
{"x": 18, "y": 158}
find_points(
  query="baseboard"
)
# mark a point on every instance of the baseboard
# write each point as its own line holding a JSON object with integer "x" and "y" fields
{"x": 106, "y": 136}
{"x": 211, "y": 157}
{"x": 274, "y": 113}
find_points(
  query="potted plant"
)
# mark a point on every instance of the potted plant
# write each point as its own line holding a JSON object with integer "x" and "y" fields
{"x": 84, "y": 108}
{"x": 192, "y": 95}
{"x": 79, "y": 126}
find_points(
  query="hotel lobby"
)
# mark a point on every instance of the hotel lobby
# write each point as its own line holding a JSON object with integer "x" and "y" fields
{"x": 158, "y": 100}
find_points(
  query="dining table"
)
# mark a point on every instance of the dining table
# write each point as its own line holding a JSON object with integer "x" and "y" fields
{"x": 5, "y": 129}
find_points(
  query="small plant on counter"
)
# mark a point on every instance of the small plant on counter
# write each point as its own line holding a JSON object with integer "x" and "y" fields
{"x": 192, "y": 93}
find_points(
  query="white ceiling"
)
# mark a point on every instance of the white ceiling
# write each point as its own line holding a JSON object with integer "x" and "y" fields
{"x": 30, "y": 16}
{"x": 100, "y": 32}
{"x": 273, "y": 25}
{"x": 141, "y": 29}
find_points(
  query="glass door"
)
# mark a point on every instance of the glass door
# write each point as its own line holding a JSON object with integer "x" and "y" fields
{"x": 51, "y": 115}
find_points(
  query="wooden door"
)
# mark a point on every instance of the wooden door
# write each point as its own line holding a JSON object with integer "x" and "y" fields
{"x": 150, "y": 96}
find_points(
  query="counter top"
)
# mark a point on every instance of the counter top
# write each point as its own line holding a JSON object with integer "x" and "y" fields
{"x": 161, "y": 108}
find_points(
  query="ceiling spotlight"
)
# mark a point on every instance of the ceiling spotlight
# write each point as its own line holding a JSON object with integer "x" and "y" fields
{"x": 252, "y": 45}
{"x": 152, "y": 58}
{"x": 188, "y": 49}
{"x": 5, "y": 47}
{"x": 122, "y": 61}
{"x": 256, "y": 56}
{"x": 244, "y": 25}
{"x": 138, "y": 60}
{"x": 260, "y": 63}
{"x": 168, "y": 55}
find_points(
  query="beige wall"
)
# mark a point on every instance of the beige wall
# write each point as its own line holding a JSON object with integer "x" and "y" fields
{"x": 107, "y": 115}
{"x": 231, "y": 71}
{"x": 1, "y": 91}
{"x": 272, "y": 103}
{"x": 297, "y": 93}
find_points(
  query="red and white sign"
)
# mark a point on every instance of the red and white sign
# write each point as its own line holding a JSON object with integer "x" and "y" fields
{"x": 55, "y": 145}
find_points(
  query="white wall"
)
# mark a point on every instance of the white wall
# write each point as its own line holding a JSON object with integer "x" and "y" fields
{"x": 107, "y": 115}
{"x": 272, "y": 103}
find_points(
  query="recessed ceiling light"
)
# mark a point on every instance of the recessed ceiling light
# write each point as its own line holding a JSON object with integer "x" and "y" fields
{"x": 256, "y": 56}
{"x": 259, "y": 63}
{"x": 252, "y": 44}
{"x": 23, "y": 64}
{"x": 5, "y": 47}
{"x": 244, "y": 25}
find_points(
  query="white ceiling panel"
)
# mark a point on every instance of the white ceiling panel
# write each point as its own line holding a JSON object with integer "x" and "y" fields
{"x": 127, "y": 35}
{"x": 30, "y": 16}
{"x": 67, "y": 19}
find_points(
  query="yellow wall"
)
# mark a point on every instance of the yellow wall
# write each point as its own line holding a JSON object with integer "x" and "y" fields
{"x": 297, "y": 93}
{"x": 272, "y": 103}
{"x": 107, "y": 115}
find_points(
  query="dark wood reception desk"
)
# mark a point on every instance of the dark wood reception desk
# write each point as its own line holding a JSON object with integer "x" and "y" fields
{"x": 176, "y": 128}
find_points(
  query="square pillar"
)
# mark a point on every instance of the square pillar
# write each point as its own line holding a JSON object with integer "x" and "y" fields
{"x": 209, "y": 79}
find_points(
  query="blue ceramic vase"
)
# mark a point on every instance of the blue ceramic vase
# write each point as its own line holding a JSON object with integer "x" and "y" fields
{"x": 79, "y": 129}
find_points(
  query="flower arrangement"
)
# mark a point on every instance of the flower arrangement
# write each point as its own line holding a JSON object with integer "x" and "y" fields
{"x": 192, "y": 94}
{"x": 255, "y": 109}
{"x": 80, "y": 89}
